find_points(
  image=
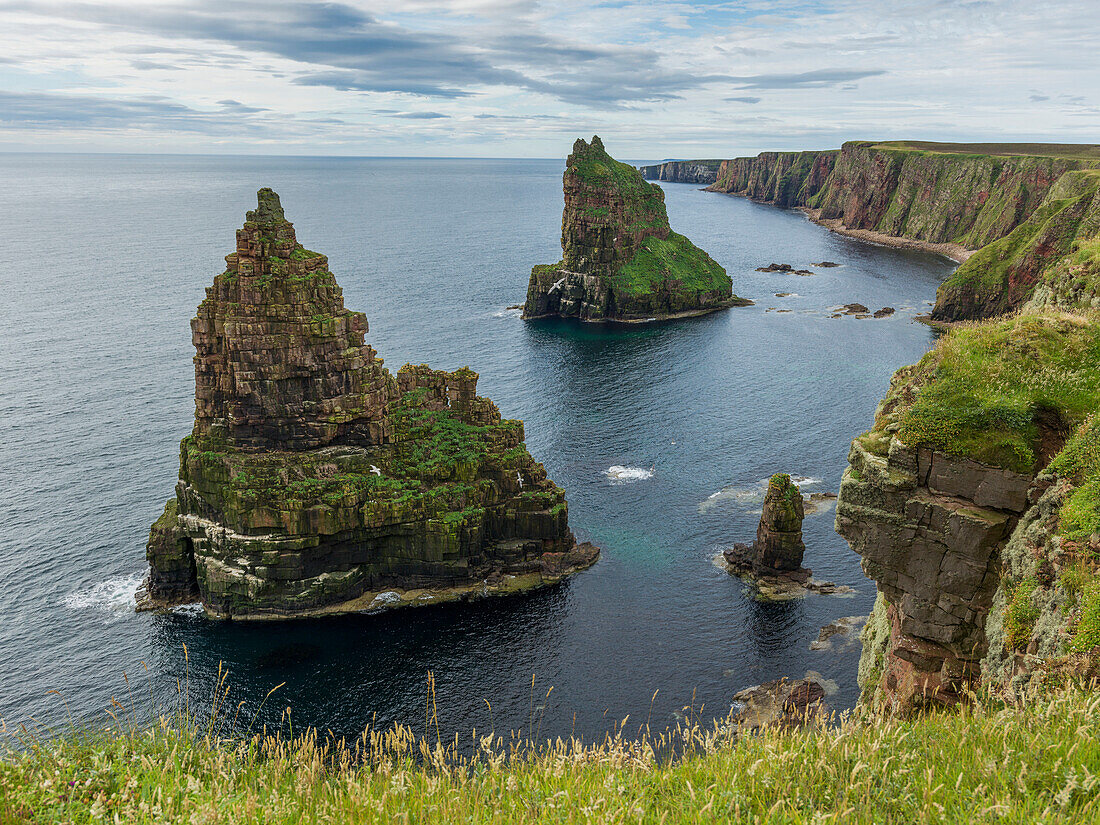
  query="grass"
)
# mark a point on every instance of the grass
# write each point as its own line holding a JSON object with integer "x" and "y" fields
{"x": 674, "y": 260}
{"x": 986, "y": 763}
{"x": 1020, "y": 614}
{"x": 1079, "y": 461}
{"x": 1073, "y": 151}
{"x": 983, "y": 388}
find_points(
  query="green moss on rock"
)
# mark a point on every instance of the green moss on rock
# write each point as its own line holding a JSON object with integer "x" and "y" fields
{"x": 620, "y": 260}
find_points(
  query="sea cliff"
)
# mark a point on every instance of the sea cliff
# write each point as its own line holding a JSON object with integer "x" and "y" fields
{"x": 1011, "y": 213}
{"x": 314, "y": 481}
{"x": 973, "y": 503}
{"x": 620, "y": 259}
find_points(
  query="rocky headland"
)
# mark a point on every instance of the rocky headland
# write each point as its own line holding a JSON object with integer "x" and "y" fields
{"x": 973, "y": 503}
{"x": 974, "y": 500}
{"x": 315, "y": 481}
{"x": 1018, "y": 217}
{"x": 620, "y": 259}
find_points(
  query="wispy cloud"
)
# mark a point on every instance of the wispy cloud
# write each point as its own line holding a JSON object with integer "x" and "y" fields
{"x": 527, "y": 76}
{"x": 814, "y": 79}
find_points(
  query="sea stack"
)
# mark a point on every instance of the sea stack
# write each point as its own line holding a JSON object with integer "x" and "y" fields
{"x": 778, "y": 549}
{"x": 316, "y": 482}
{"x": 620, "y": 260}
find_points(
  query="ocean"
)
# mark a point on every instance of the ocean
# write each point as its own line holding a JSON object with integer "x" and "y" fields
{"x": 662, "y": 436}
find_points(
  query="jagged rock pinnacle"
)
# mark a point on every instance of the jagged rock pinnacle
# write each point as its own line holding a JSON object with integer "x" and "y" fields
{"x": 268, "y": 208}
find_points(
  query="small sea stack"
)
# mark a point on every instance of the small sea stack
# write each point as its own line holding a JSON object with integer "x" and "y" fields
{"x": 778, "y": 548}
{"x": 773, "y": 563}
{"x": 316, "y": 482}
{"x": 620, "y": 259}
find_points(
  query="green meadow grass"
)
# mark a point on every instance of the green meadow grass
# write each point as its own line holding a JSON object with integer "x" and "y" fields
{"x": 986, "y": 763}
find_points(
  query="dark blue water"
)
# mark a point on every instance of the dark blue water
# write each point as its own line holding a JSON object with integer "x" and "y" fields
{"x": 102, "y": 262}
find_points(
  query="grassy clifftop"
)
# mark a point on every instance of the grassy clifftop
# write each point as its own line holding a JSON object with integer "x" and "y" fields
{"x": 1075, "y": 151}
{"x": 989, "y": 763}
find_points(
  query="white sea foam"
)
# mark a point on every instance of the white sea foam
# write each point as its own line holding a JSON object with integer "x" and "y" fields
{"x": 508, "y": 312}
{"x": 618, "y": 474}
{"x": 192, "y": 610}
{"x": 752, "y": 494}
{"x": 112, "y": 599}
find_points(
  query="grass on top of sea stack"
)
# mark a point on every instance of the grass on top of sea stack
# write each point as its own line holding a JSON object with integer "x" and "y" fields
{"x": 986, "y": 763}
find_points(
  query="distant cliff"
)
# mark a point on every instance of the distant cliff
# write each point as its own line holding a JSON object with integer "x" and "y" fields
{"x": 683, "y": 171}
{"x": 1038, "y": 206}
{"x": 620, "y": 259}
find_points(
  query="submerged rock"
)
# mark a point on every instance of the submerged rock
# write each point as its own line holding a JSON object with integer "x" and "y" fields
{"x": 315, "y": 481}
{"x": 785, "y": 268}
{"x": 620, "y": 260}
{"x": 840, "y": 631}
{"x": 826, "y": 264}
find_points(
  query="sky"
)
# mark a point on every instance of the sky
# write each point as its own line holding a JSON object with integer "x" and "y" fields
{"x": 524, "y": 78}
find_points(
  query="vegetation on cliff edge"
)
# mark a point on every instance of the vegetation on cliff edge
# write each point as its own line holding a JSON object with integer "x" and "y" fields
{"x": 992, "y": 391}
{"x": 986, "y": 763}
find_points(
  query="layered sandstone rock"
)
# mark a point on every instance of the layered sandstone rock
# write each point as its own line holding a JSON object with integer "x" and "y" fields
{"x": 315, "y": 481}
{"x": 973, "y": 503}
{"x": 1022, "y": 208}
{"x": 620, "y": 259}
{"x": 929, "y": 528}
{"x": 778, "y": 548}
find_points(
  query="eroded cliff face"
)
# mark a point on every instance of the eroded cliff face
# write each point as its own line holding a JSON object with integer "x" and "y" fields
{"x": 620, "y": 258}
{"x": 780, "y": 178}
{"x": 1031, "y": 262}
{"x": 683, "y": 171}
{"x": 1022, "y": 214}
{"x": 315, "y": 481}
{"x": 929, "y": 528}
{"x": 972, "y": 502}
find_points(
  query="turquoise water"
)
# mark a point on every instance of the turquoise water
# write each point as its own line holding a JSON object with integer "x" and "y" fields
{"x": 103, "y": 260}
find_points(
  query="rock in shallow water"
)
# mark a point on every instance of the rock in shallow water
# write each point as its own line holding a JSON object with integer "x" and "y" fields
{"x": 316, "y": 482}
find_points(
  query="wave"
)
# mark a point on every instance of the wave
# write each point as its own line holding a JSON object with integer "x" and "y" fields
{"x": 618, "y": 474}
{"x": 736, "y": 494}
{"x": 508, "y": 312}
{"x": 114, "y": 598}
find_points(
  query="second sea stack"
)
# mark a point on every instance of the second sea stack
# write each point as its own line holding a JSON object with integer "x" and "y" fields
{"x": 314, "y": 481}
{"x": 620, "y": 260}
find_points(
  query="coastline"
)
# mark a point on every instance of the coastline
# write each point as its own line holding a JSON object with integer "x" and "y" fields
{"x": 954, "y": 251}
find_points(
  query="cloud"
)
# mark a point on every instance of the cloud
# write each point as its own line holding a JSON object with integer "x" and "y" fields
{"x": 420, "y": 115}
{"x": 745, "y": 99}
{"x": 1038, "y": 98}
{"x": 816, "y": 78}
{"x": 347, "y": 49}
{"x": 37, "y": 110}
{"x": 240, "y": 108}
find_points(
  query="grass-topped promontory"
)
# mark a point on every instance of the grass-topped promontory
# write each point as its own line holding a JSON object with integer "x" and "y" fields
{"x": 1075, "y": 151}
{"x": 988, "y": 763}
{"x": 987, "y": 390}
{"x": 673, "y": 260}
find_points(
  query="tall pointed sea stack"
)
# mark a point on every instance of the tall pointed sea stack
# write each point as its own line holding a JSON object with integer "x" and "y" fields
{"x": 315, "y": 481}
{"x": 620, "y": 260}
